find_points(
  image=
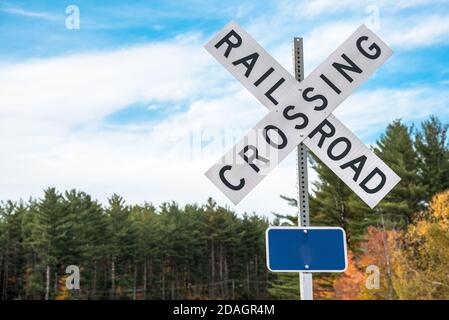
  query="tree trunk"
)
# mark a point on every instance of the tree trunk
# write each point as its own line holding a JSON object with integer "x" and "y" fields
{"x": 55, "y": 286}
{"x": 5, "y": 278}
{"x": 173, "y": 287}
{"x": 221, "y": 271}
{"x": 135, "y": 282}
{"x": 112, "y": 279}
{"x": 163, "y": 280}
{"x": 387, "y": 260}
{"x": 47, "y": 282}
{"x": 247, "y": 280}
{"x": 94, "y": 282}
{"x": 150, "y": 277}
{"x": 256, "y": 273}
{"x": 6, "y": 268}
{"x": 233, "y": 289}
{"x": 1, "y": 266}
{"x": 145, "y": 279}
{"x": 212, "y": 270}
{"x": 226, "y": 278}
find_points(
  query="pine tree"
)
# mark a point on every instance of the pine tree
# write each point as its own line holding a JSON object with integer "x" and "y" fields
{"x": 51, "y": 238}
{"x": 432, "y": 147}
{"x": 148, "y": 251}
{"x": 122, "y": 234}
{"x": 395, "y": 147}
{"x": 12, "y": 251}
{"x": 89, "y": 239}
{"x": 334, "y": 204}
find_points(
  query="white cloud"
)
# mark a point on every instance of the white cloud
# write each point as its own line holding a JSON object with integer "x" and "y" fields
{"x": 51, "y": 124}
{"x": 325, "y": 24}
{"x": 86, "y": 87}
{"x": 419, "y": 32}
{"x": 367, "y": 111}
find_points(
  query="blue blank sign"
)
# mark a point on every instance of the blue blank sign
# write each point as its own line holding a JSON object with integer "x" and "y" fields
{"x": 306, "y": 249}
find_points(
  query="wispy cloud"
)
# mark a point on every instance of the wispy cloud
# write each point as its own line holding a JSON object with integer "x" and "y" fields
{"x": 421, "y": 31}
{"x": 31, "y": 14}
{"x": 320, "y": 7}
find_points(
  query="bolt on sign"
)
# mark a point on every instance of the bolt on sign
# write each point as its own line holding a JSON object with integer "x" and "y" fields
{"x": 300, "y": 112}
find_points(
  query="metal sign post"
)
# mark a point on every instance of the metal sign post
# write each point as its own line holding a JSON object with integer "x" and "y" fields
{"x": 305, "y": 279}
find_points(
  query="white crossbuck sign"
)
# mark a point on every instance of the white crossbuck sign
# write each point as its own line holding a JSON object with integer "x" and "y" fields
{"x": 300, "y": 112}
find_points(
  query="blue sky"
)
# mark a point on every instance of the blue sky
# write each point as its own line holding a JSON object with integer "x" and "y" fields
{"x": 131, "y": 102}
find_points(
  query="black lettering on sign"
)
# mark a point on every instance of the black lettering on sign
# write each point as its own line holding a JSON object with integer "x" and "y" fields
{"x": 375, "y": 49}
{"x": 383, "y": 179}
{"x": 248, "y": 62}
{"x": 330, "y": 84}
{"x": 254, "y": 156}
{"x": 351, "y": 67}
{"x": 324, "y": 134}
{"x": 263, "y": 77}
{"x": 315, "y": 97}
{"x": 356, "y": 165}
{"x": 226, "y": 182}
{"x": 227, "y": 39}
{"x": 280, "y": 133}
{"x": 345, "y": 151}
{"x": 269, "y": 93}
{"x": 305, "y": 119}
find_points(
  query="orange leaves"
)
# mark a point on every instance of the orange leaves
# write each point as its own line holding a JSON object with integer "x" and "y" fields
{"x": 369, "y": 276}
{"x": 409, "y": 264}
{"x": 349, "y": 285}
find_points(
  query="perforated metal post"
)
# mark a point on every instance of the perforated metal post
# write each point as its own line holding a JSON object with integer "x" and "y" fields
{"x": 305, "y": 279}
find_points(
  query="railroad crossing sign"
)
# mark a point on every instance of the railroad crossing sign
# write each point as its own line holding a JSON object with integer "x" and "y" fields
{"x": 311, "y": 249}
{"x": 300, "y": 112}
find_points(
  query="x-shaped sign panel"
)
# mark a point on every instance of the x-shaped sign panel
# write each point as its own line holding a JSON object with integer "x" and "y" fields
{"x": 300, "y": 112}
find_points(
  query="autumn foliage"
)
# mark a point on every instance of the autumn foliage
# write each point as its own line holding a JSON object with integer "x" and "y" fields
{"x": 410, "y": 264}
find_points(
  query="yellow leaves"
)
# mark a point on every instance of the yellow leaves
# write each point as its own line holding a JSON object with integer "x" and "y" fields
{"x": 421, "y": 266}
{"x": 437, "y": 216}
{"x": 415, "y": 233}
{"x": 439, "y": 209}
{"x": 63, "y": 292}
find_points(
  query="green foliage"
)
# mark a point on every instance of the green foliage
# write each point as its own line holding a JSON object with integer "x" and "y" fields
{"x": 433, "y": 156}
{"x": 396, "y": 148}
{"x": 285, "y": 286}
{"x": 129, "y": 252}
